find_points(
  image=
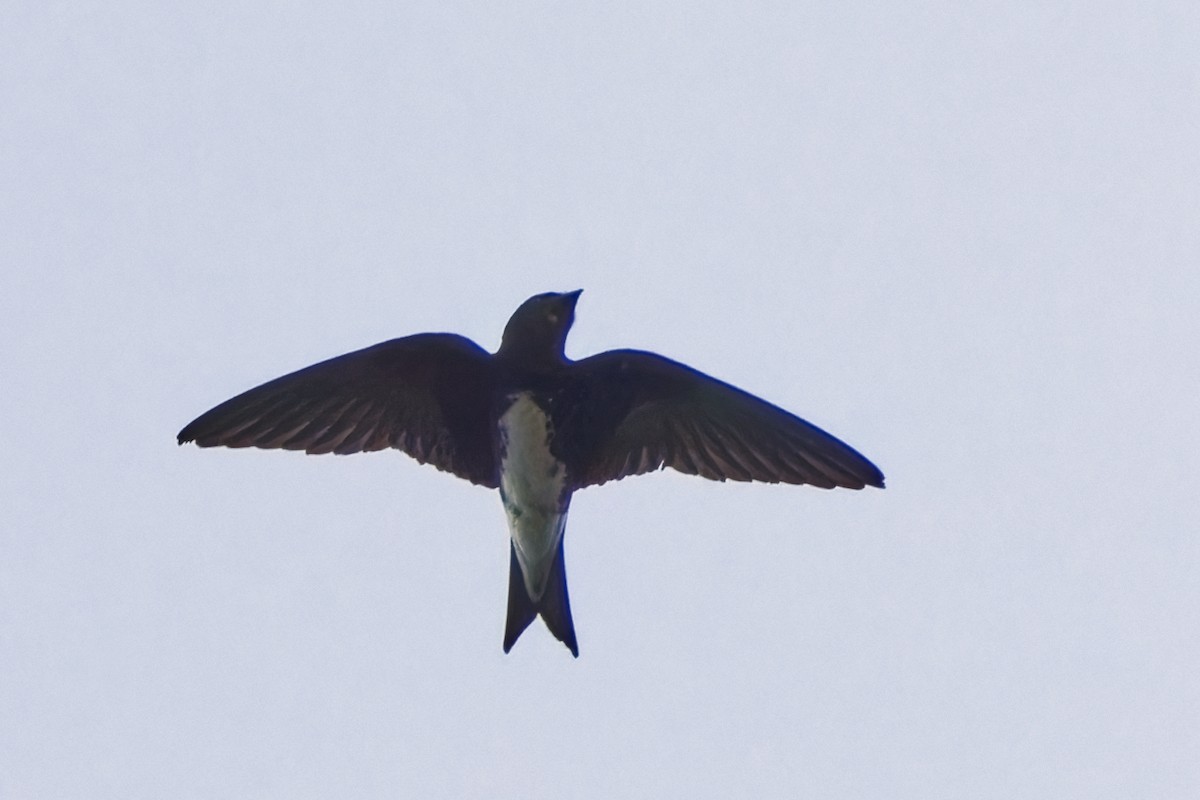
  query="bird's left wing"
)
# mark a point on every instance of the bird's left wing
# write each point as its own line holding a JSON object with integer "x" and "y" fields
{"x": 656, "y": 413}
{"x": 427, "y": 395}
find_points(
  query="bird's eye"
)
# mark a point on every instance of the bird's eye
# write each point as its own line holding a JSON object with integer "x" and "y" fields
{"x": 553, "y": 317}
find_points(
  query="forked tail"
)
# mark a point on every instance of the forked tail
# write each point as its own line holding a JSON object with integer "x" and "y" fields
{"x": 553, "y": 606}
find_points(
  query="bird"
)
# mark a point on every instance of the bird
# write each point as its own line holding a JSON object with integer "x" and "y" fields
{"x": 536, "y": 426}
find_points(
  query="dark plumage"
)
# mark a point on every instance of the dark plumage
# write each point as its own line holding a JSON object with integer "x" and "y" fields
{"x": 535, "y": 425}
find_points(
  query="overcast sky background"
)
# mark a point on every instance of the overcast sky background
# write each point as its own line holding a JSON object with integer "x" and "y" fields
{"x": 963, "y": 237}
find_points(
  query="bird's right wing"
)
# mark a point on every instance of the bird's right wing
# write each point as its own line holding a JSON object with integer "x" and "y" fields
{"x": 427, "y": 395}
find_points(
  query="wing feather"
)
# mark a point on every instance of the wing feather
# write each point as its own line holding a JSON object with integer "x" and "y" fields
{"x": 670, "y": 415}
{"x": 427, "y": 395}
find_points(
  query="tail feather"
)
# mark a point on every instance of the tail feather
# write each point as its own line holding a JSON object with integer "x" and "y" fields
{"x": 520, "y": 608}
{"x": 554, "y": 607}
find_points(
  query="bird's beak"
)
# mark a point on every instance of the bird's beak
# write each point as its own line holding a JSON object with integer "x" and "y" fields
{"x": 573, "y": 297}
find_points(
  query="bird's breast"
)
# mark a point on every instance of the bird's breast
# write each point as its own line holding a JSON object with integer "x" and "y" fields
{"x": 532, "y": 487}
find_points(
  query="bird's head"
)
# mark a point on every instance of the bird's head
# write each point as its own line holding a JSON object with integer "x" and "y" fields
{"x": 537, "y": 331}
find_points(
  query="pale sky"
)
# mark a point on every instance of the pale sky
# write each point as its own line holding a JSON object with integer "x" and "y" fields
{"x": 965, "y": 238}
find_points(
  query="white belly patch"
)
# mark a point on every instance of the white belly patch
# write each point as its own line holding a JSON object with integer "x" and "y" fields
{"x": 531, "y": 488}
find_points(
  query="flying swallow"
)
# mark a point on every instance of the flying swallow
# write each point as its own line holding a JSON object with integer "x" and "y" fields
{"x": 537, "y": 426}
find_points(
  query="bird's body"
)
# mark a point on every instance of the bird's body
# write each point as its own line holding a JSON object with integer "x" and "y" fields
{"x": 535, "y": 426}
{"x": 533, "y": 486}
